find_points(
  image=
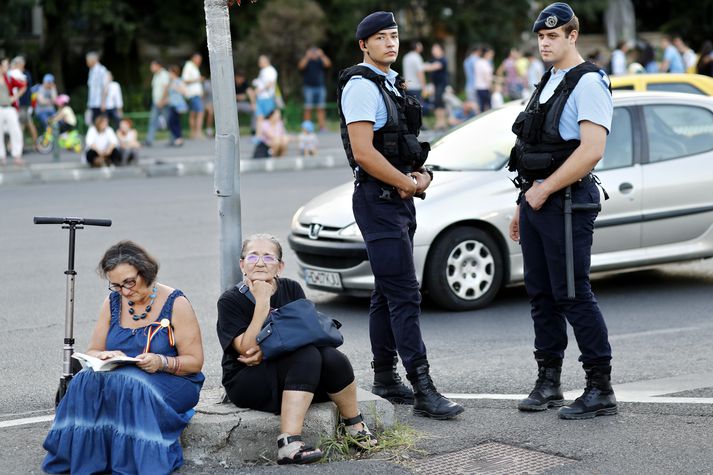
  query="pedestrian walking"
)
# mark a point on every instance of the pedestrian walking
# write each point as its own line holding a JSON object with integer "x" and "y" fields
{"x": 113, "y": 105}
{"x": 17, "y": 65}
{"x": 672, "y": 60}
{"x": 387, "y": 161}
{"x": 484, "y": 78}
{"x": 193, "y": 82}
{"x": 96, "y": 83}
{"x": 413, "y": 71}
{"x": 619, "y": 63}
{"x": 554, "y": 159}
{"x": 177, "y": 105}
{"x": 314, "y": 65}
{"x": 469, "y": 72}
{"x": 10, "y": 90}
{"x": 265, "y": 87}
{"x": 438, "y": 67}
{"x": 159, "y": 98}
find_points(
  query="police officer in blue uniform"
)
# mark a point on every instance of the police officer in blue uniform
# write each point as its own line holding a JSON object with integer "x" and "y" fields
{"x": 380, "y": 126}
{"x": 561, "y": 136}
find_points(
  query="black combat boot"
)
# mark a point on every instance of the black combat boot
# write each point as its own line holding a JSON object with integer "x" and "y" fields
{"x": 547, "y": 392}
{"x": 598, "y": 397}
{"x": 427, "y": 401}
{"x": 388, "y": 384}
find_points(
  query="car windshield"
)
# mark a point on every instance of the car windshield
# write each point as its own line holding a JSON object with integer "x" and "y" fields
{"x": 482, "y": 143}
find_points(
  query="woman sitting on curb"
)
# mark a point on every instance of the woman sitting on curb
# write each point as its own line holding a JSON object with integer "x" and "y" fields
{"x": 288, "y": 384}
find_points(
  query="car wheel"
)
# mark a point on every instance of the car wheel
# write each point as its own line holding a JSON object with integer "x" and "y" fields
{"x": 465, "y": 269}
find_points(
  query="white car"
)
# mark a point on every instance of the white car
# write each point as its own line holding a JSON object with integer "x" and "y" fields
{"x": 657, "y": 170}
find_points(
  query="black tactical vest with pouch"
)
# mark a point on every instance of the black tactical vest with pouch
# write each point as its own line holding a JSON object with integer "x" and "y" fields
{"x": 397, "y": 140}
{"x": 540, "y": 149}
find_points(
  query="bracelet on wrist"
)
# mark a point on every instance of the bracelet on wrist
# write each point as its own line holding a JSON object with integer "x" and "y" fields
{"x": 164, "y": 363}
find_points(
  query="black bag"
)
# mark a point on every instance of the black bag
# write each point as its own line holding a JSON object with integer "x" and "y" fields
{"x": 261, "y": 150}
{"x": 293, "y": 326}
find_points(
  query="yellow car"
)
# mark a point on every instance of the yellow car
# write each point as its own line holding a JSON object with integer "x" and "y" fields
{"x": 689, "y": 83}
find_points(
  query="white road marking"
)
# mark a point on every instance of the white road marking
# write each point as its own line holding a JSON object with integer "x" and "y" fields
{"x": 649, "y": 391}
{"x": 26, "y": 420}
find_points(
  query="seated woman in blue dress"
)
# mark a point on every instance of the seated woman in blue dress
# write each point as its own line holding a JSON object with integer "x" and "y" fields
{"x": 288, "y": 384}
{"x": 129, "y": 419}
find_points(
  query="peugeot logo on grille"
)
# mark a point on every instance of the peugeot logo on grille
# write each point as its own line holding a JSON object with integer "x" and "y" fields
{"x": 314, "y": 230}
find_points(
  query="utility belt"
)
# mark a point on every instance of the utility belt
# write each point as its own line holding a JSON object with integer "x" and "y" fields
{"x": 388, "y": 192}
{"x": 526, "y": 184}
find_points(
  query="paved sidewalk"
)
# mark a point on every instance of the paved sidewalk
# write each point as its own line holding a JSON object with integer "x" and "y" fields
{"x": 195, "y": 157}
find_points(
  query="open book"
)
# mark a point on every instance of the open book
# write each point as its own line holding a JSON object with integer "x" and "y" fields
{"x": 103, "y": 365}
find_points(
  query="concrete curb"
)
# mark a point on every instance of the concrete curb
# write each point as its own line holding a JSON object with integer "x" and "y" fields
{"x": 184, "y": 166}
{"x": 228, "y": 435}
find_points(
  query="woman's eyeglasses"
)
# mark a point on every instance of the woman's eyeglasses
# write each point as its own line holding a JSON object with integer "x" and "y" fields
{"x": 267, "y": 259}
{"x": 127, "y": 284}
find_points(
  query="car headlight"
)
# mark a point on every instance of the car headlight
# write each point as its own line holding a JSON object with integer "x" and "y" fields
{"x": 295, "y": 224}
{"x": 351, "y": 232}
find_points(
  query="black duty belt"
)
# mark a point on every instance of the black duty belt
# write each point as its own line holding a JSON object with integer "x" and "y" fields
{"x": 585, "y": 180}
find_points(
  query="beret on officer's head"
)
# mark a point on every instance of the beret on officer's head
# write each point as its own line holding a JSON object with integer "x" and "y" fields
{"x": 553, "y": 16}
{"x": 374, "y": 23}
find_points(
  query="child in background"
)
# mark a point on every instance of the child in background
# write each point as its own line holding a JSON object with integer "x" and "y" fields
{"x": 128, "y": 142}
{"x": 66, "y": 121}
{"x": 308, "y": 139}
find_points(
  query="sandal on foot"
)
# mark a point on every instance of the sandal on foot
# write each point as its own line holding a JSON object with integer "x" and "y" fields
{"x": 361, "y": 438}
{"x": 291, "y": 450}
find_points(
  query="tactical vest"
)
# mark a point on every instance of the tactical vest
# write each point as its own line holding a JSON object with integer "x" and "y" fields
{"x": 397, "y": 140}
{"x": 540, "y": 149}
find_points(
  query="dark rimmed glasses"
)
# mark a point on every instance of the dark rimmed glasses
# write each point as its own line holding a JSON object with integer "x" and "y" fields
{"x": 127, "y": 284}
{"x": 267, "y": 259}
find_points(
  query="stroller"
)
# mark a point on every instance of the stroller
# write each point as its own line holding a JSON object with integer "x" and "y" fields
{"x": 70, "y": 366}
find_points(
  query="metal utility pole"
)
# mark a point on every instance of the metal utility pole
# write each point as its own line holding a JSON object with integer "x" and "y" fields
{"x": 226, "y": 181}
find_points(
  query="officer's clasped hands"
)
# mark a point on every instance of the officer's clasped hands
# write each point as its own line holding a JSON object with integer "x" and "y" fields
{"x": 422, "y": 181}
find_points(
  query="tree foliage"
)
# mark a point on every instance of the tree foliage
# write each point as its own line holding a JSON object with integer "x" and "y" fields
{"x": 283, "y": 29}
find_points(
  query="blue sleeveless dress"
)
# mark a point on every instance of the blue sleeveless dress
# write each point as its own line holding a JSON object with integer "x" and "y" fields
{"x": 124, "y": 421}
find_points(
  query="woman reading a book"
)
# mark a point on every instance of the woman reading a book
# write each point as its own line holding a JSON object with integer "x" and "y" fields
{"x": 129, "y": 419}
{"x": 288, "y": 384}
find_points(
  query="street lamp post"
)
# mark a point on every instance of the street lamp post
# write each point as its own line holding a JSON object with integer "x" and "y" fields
{"x": 227, "y": 140}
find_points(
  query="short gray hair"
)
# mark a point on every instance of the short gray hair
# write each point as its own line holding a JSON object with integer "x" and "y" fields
{"x": 92, "y": 55}
{"x": 128, "y": 252}
{"x": 261, "y": 237}
{"x": 17, "y": 60}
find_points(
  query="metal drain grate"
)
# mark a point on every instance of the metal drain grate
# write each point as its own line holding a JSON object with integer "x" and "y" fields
{"x": 491, "y": 458}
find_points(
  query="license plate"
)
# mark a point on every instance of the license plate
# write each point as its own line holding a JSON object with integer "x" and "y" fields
{"x": 322, "y": 278}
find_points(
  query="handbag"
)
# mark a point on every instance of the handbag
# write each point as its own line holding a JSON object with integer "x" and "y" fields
{"x": 293, "y": 326}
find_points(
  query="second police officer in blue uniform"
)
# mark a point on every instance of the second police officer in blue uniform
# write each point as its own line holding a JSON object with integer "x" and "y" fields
{"x": 561, "y": 137}
{"x": 380, "y": 126}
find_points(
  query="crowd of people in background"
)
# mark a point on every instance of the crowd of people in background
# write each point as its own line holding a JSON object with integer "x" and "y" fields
{"x": 28, "y": 107}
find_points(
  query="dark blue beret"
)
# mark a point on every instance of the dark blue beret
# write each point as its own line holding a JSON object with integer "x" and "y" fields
{"x": 553, "y": 16}
{"x": 374, "y": 23}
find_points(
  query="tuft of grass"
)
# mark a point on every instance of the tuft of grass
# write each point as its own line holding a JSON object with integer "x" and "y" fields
{"x": 395, "y": 444}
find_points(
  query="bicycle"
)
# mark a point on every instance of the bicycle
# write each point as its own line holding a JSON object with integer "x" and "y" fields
{"x": 70, "y": 140}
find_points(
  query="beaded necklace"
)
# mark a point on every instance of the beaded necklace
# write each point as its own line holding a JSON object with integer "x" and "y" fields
{"x": 148, "y": 308}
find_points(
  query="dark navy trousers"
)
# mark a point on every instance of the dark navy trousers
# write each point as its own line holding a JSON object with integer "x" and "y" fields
{"x": 542, "y": 241}
{"x": 388, "y": 226}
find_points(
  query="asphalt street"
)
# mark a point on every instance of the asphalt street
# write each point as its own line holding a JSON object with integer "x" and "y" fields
{"x": 659, "y": 321}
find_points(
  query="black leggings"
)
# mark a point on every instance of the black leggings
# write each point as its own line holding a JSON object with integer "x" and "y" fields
{"x": 321, "y": 371}
{"x": 310, "y": 368}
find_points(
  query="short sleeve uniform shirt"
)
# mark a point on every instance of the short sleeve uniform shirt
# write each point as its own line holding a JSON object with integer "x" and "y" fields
{"x": 362, "y": 101}
{"x": 590, "y": 100}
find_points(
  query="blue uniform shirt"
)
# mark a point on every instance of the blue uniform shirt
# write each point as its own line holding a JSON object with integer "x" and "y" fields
{"x": 362, "y": 101}
{"x": 590, "y": 101}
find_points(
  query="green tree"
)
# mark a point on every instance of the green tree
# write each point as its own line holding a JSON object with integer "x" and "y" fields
{"x": 284, "y": 30}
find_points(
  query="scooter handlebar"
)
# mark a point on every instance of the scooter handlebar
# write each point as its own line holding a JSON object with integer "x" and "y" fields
{"x": 72, "y": 221}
